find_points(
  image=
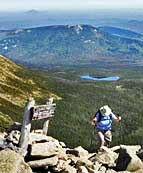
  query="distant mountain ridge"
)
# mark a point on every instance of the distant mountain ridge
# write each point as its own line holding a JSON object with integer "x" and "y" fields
{"x": 32, "y": 11}
{"x": 69, "y": 45}
{"x": 121, "y": 32}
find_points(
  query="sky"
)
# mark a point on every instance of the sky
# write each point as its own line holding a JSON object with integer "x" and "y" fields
{"x": 18, "y": 5}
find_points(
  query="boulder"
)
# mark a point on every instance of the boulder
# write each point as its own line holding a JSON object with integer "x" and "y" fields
{"x": 72, "y": 152}
{"x": 82, "y": 152}
{"x": 73, "y": 159}
{"x": 62, "y": 154}
{"x": 63, "y": 166}
{"x": 106, "y": 157}
{"x": 62, "y": 144}
{"x": 39, "y": 138}
{"x": 102, "y": 169}
{"x": 70, "y": 169}
{"x": 45, "y": 146}
{"x": 43, "y": 150}
{"x": 96, "y": 166}
{"x": 140, "y": 153}
{"x": 14, "y": 126}
{"x": 78, "y": 152}
{"x": 3, "y": 142}
{"x": 139, "y": 171}
{"x": 90, "y": 170}
{"x": 82, "y": 169}
{"x": 11, "y": 162}
{"x": 131, "y": 148}
{"x": 84, "y": 162}
{"x": 128, "y": 160}
{"x": 42, "y": 163}
{"x": 2, "y": 135}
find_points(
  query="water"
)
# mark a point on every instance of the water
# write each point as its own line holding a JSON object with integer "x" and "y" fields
{"x": 88, "y": 77}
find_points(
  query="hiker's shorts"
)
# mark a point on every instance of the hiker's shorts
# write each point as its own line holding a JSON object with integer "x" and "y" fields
{"x": 106, "y": 134}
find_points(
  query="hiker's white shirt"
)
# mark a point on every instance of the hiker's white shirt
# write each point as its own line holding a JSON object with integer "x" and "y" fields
{"x": 106, "y": 121}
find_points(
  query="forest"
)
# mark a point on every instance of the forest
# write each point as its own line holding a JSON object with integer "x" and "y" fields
{"x": 77, "y": 101}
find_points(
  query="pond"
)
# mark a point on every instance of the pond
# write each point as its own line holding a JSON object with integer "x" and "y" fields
{"x": 88, "y": 77}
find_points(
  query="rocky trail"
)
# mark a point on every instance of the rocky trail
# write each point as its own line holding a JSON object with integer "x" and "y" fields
{"x": 48, "y": 155}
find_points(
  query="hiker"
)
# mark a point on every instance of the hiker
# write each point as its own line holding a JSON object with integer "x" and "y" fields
{"x": 103, "y": 122}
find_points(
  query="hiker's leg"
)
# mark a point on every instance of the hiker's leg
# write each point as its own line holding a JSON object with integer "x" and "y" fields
{"x": 107, "y": 143}
{"x": 108, "y": 138}
{"x": 100, "y": 137}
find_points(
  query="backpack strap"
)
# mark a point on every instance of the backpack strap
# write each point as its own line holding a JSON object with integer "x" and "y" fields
{"x": 100, "y": 116}
{"x": 110, "y": 116}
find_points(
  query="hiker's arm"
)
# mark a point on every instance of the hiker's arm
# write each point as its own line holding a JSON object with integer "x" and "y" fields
{"x": 116, "y": 118}
{"x": 94, "y": 121}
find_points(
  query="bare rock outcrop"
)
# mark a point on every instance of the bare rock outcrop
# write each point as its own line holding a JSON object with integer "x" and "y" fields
{"x": 109, "y": 160}
{"x": 50, "y": 155}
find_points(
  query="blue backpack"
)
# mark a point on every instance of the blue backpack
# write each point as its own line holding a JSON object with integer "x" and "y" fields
{"x": 100, "y": 116}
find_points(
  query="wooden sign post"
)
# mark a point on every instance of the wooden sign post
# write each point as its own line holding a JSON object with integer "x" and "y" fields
{"x": 46, "y": 124}
{"x": 26, "y": 126}
{"x": 33, "y": 112}
{"x": 44, "y": 112}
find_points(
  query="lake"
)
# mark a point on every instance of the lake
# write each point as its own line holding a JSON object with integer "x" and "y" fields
{"x": 88, "y": 77}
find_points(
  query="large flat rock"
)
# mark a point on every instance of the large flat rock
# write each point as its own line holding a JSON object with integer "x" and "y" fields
{"x": 42, "y": 163}
{"x": 43, "y": 150}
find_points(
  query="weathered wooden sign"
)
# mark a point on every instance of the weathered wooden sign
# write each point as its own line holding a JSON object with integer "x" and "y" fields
{"x": 43, "y": 111}
{"x": 37, "y": 112}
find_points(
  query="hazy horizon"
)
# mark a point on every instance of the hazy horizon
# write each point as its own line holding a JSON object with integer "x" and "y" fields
{"x": 17, "y": 14}
{"x": 16, "y": 5}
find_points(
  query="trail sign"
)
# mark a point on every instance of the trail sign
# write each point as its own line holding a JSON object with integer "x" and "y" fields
{"x": 36, "y": 112}
{"x": 43, "y": 111}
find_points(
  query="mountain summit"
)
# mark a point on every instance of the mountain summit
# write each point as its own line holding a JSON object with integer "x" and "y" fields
{"x": 32, "y": 11}
{"x": 66, "y": 44}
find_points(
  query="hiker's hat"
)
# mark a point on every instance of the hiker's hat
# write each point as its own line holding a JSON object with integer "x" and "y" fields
{"x": 105, "y": 110}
